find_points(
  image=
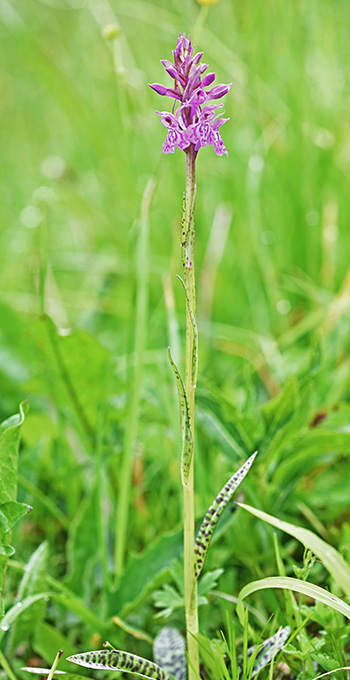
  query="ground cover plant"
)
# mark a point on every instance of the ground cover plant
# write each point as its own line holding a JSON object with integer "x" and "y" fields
{"x": 90, "y": 483}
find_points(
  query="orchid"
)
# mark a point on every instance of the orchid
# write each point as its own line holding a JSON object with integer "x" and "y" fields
{"x": 194, "y": 123}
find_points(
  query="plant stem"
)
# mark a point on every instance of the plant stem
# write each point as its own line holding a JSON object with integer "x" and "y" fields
{"x": 7, "y": 668}
{"x": 101, "y": 513}
{"x": 55, "y": 664}
{"x": 188, "y": 489}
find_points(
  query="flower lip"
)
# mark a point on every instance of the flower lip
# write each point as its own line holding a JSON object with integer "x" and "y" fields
{"x": 168, "y": 119}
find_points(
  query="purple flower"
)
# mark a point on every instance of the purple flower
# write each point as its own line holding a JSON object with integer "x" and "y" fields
{"x": 193, "y": 122}
{"x": 205, "y": 131}
{"x": 176, "y": 133}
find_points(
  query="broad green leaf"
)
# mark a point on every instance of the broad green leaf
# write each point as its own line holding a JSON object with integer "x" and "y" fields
{"x": 145, "y": 572}
{"x": 6, "y": 551}
{"x": 10, "y": 513}
{"x": 329, "y": 556}
{"x": 185, "y": 424}
{"x": 297, "y": 586}
{"x": 32, "y": 583}
{"x": 115, "y": 660}
{"x": 216, "y": 509}
{"x": 9, "y": 442}
{"x": 169, "y": 652}
{"x": 75, "y": 370}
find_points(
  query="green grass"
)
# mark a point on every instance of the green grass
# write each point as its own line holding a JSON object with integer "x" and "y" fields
{"x": 80, "y": 142}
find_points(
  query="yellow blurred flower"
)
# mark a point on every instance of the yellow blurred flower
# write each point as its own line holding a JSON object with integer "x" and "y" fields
{"x": 207, "y": 2}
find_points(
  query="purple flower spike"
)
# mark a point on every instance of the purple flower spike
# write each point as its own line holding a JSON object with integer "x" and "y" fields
{"x": 193, "y": 123}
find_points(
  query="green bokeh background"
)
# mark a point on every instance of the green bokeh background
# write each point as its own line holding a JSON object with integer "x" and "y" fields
{"x": 79, "y": 143}
{"x": 77, "y": 117}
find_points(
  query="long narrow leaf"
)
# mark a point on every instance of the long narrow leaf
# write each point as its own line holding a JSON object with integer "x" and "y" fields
{"x": 329, "y": 556}
{"x": 195, "y": 334}
{"x": 298, "y": 586}
{"x": 185, "y": 424}
{"x": 71, "y": 603}
{"x": 215, "y": 511}
{"x": 115, "y": 660}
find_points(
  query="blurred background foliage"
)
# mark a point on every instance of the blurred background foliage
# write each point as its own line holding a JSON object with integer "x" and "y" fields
{"x": 89, "y": 214}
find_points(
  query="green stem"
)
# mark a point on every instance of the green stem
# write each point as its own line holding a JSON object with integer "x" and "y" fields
{"x": 188, "y": 489}
{"x": 55, "y": 664}
{"x": 7, "y": 668}
{"x": 101, "y": 512}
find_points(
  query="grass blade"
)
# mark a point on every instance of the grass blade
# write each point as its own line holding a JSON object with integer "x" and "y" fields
{"x": 298, "y": 586}
{"x": 329, "y": 556}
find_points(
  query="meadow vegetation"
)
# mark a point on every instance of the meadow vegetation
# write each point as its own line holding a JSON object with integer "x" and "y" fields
{"x": 90, "y": 214}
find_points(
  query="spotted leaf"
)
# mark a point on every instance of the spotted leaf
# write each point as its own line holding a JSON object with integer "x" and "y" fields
{"x": 215, "y": 511}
